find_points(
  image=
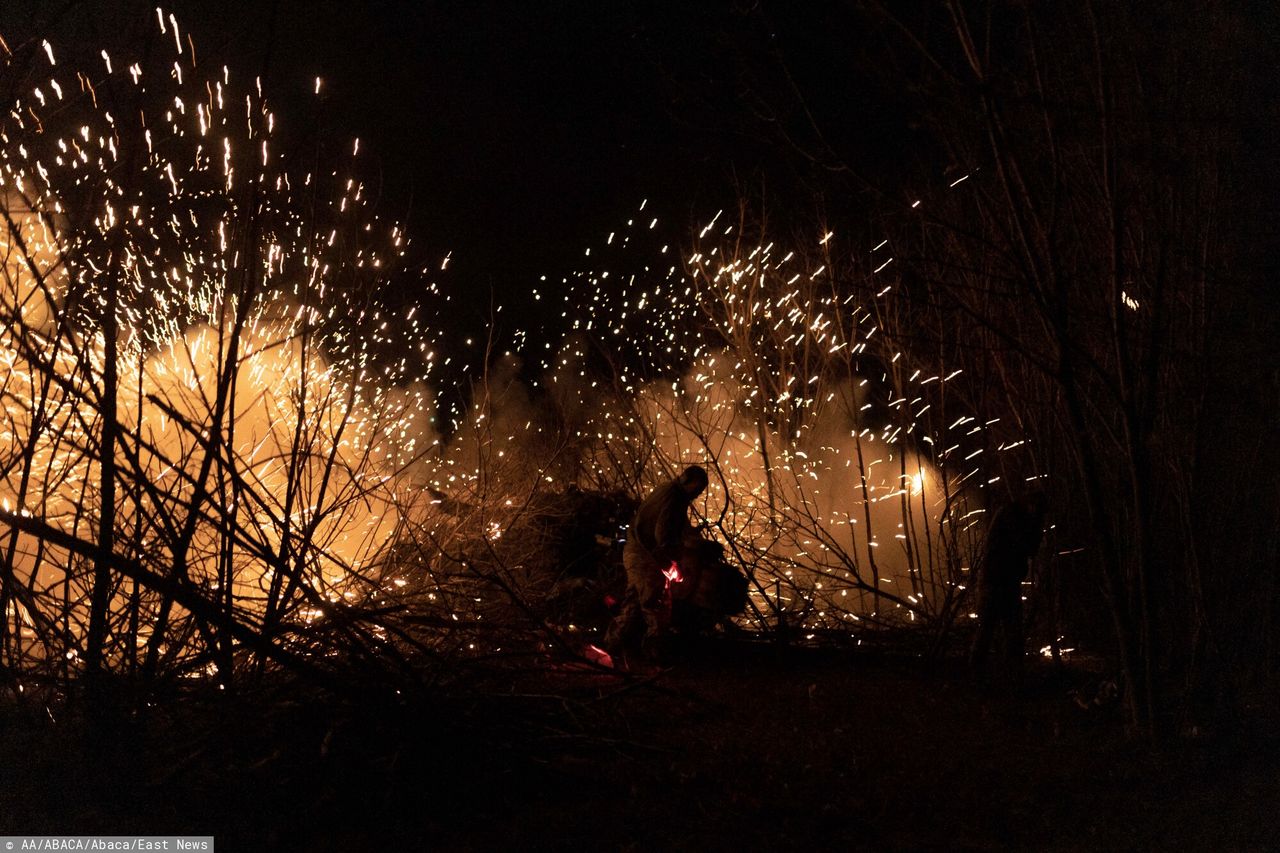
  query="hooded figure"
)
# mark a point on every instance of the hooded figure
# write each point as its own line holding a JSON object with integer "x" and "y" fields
{"x": 651, "y": 557}
{"x": 1012, "y": 541}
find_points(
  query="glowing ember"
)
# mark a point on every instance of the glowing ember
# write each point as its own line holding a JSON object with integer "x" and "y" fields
{"x": 597, "y": 655}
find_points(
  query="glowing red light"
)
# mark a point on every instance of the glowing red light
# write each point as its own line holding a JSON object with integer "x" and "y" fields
{"x": 599, "y": 656}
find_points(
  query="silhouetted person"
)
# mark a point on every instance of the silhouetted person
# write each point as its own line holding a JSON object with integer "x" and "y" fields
{"x": 655, "y": 541}
{"x": 1012, "y": 541}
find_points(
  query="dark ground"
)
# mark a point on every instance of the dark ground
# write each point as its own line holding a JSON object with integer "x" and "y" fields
{"x": 736, "y": 747}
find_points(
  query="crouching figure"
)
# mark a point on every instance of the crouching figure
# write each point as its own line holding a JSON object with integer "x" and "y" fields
{"x": 667, "y": 561}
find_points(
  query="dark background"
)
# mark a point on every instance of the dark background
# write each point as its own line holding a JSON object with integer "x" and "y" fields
{"x": 516, "y": 134}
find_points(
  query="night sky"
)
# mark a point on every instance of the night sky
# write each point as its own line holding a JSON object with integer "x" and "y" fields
{"x": 507, "y": 133}
{"x": 515, "y": 134}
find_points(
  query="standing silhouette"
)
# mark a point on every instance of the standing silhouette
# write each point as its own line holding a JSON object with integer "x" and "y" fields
{"x": 1012, "y": 541}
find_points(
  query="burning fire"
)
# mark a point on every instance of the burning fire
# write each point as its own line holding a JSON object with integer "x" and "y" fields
{"x": 202, "y": 371}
